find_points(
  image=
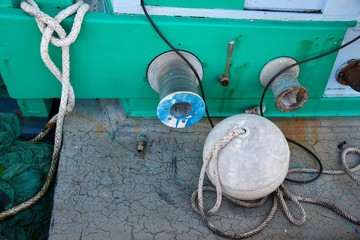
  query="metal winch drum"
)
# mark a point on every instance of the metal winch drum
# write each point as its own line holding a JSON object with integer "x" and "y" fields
{"x": 289, "y": 94}
{"x": 180, "y": 104}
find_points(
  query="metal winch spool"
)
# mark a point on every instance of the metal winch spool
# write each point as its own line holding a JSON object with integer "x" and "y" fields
{"x": 180, "y": 104}
{"x": 289, "y": 94}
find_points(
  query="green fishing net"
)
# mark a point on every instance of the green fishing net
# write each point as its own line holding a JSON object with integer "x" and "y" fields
{"x": 23, "y": 169}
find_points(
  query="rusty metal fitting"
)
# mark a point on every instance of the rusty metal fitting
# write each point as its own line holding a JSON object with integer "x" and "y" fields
{"x": 255, "y": 110}
{"x": 224, "y": 80}
{"x": 141, "y": 144}
{"x": 349, "y": 74}
{"x": 289, "y": 94}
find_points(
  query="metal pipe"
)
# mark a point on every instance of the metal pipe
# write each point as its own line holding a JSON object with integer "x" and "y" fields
{"x": 225, "y": 79}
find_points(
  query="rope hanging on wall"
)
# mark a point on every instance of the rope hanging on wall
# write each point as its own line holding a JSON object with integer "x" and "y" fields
{"x": 48, "y": 26}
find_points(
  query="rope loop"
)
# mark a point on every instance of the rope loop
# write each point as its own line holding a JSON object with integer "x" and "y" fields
{"x": 48, "y": 26}
{"x": 212, "y": 158}
{"x": 44, "y": 21}
{"x": 349, "y": 170}
{"x": 280, "y": 193}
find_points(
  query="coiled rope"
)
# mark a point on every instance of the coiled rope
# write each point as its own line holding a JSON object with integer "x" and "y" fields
{"x": 48, "y": 26}
{"x": 280, "y": 194}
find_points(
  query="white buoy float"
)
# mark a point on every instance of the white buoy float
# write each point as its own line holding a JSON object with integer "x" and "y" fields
{"x": 253, "y": 164}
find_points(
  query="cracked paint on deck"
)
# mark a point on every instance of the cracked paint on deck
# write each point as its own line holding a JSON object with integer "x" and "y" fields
{"x": 106, "y": 191}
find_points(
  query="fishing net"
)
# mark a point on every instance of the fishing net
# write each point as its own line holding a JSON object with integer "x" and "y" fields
{"x": 23, "y": 168}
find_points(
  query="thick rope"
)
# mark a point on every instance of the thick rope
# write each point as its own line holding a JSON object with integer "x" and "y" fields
{"x": 197, "y": 201}
{"x": 212, "y": 159}
{"x": 280, "y": 194}
{"x": 195, "y": 205}
{"x": 47, "y": 26}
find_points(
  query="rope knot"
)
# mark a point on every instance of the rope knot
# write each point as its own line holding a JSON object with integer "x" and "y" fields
{"x": 48, "y": 26}
{"x": 236, "y": 132}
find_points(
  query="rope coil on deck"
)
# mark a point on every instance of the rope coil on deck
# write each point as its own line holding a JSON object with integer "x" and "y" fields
{"x": 48, "y": 26}
{"x": 280, "y": 194}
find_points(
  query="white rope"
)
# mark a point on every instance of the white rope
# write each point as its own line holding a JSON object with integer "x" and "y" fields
{"x": 197, "y": 201}
{"x": 211, "y": 158}
{"x": 47, "y": 26}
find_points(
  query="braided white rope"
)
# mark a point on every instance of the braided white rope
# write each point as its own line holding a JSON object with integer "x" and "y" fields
{"x": 47, "y": 26}
{"x": 281, "y": 193}
{"x": 211, "y": 158}
{"x": 348, "y": 170}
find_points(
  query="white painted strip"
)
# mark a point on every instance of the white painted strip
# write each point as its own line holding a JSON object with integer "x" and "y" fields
{"x": 332, "y": 10}
{"x": 285, "y": 5}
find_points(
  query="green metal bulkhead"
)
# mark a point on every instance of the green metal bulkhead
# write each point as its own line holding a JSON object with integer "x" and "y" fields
{"x": 112, "y": 53}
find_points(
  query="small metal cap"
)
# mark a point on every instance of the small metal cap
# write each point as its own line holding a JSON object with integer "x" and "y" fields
{"x": 141, "y": 144}
{"x": 224, "y": 80}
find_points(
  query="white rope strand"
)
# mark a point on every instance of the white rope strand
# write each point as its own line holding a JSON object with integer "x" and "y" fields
{"x": 48, "y": 26}
{"x": 211, "y": 158}
{"x": 280, "y": 194}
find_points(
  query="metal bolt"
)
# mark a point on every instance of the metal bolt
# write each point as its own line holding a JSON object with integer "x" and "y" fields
{"x": 224, "y": 80}
{"x": 141, "y": 144}
{"x": 255, "y": 110}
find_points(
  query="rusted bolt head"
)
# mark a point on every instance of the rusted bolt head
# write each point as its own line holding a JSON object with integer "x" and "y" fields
{"x": 224, "y": 80}
{"x": 141, "y": 144}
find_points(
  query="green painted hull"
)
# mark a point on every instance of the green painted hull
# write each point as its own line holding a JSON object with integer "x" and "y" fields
{"x": 112, "y": 53}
